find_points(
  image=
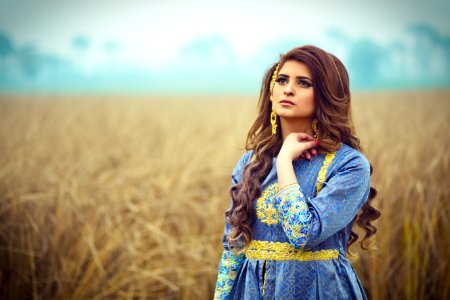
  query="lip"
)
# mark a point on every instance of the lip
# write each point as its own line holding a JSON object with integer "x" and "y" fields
{"x": 286, "y": 102}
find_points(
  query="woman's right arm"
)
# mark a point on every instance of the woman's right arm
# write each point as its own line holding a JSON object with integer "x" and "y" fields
{"x": 308, "y": 223}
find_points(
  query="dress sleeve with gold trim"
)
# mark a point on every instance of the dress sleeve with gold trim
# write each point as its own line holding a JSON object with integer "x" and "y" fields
{"x": 309, "y": 222}
{"x": 229, "y": 262}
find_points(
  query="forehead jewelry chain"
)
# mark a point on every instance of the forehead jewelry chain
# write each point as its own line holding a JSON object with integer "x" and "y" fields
{"x": 273, "y": 114}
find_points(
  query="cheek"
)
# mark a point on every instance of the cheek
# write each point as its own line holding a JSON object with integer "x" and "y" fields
{"x": 277, "y": 90}
{"x": 309, "y": 100}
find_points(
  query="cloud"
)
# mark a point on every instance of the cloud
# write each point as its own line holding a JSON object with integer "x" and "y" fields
{"x": 211, "y": 63}
{"x": 364, "y": 61}
{"x": 6, "y": 46}
{"x": 111, "y": 46}
{"x": 81, "y": 42}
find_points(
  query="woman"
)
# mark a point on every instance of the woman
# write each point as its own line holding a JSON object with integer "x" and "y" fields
{"x": 297, "y": 190}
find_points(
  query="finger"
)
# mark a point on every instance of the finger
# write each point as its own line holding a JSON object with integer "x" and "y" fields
{"x": 310, "y": 145}
{"x": 309, "y": 137}
{"x": 314, "y": 151}
{"x": 308, "y": 156}
{"x": 305, "y": 136}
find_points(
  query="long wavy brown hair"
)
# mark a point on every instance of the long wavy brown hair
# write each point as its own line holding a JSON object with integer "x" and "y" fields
{"x": 335, "y": 126}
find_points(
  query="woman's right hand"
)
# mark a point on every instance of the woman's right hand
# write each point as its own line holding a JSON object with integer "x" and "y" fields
{"x": 298, "y": 145}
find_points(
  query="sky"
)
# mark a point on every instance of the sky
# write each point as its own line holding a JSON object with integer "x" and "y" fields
{"x": 216, "y": 46}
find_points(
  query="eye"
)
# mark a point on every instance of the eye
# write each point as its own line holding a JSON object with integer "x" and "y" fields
{"x": 304, "y": 83}
{"x": 281, "y": 80}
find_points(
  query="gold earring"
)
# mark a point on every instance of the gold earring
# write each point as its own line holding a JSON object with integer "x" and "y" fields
{"x": 314, "y": 129}
{"x": 273, "y": 121}
{"x": 273, "y": 115}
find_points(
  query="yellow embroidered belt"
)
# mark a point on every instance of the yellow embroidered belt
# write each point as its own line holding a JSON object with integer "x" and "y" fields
{"x": 285, "y": 251}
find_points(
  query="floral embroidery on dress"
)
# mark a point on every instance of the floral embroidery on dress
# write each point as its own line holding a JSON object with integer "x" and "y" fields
{"x": 294, "y": 214}
{"x": 265, "y": 209}
{"x": 229, "y": 265}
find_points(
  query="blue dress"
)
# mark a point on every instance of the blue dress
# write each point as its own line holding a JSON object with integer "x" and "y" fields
{"x": 301, "y": 232}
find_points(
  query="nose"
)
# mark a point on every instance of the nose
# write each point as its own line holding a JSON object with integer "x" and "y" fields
{"x": 288, "y": 90}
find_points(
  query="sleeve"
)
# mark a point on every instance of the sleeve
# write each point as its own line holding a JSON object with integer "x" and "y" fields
{"x": 308, "y": 223}
{"x": 229, "y": 262}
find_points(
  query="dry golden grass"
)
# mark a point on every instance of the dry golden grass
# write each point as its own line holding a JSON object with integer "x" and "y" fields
{"x": 123, "y": 198}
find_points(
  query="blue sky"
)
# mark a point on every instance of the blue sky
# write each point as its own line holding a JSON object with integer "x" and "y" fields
{"x": 216, "y": 46}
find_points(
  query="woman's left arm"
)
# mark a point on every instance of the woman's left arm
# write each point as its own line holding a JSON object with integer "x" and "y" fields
{"x": 308, "y": 223}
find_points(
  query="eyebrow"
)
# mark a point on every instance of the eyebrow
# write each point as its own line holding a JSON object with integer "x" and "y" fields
{"x": 298, "y": 77}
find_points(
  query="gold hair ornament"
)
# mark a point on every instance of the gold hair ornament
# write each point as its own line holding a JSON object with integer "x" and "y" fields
{"x": 273, "y": 115}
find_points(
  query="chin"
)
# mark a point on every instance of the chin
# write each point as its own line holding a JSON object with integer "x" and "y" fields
{"x": 293, "y": 115}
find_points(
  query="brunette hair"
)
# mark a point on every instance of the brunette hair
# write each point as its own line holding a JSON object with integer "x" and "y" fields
{"x": 335, "y": 126}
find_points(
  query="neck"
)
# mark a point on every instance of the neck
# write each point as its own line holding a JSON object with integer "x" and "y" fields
{"x": 289, "y": 125}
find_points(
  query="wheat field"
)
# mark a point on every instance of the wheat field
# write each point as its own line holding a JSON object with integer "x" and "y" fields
{"x": 111, "y": 197}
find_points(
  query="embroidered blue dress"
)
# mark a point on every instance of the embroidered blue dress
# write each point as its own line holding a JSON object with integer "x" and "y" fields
{"x": 299, "y": 247}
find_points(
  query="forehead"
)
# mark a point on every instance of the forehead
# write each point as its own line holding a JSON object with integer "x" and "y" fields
{"x": 295, "y": 68}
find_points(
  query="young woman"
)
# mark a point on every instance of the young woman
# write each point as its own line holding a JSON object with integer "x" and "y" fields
{"x": 297, "y": 191}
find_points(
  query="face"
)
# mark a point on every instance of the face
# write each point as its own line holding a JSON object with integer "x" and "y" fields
{"x": 293, "y": 84}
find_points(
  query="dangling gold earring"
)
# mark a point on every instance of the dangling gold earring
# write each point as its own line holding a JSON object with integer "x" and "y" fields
{"x": 273, "y": 115}
{"x": 314, "y": 129}
{"x": 273, "y": 121}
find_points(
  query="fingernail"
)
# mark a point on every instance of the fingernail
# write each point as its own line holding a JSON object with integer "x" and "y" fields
{"x": 316, "y": 143}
